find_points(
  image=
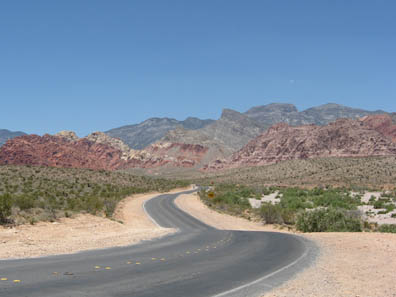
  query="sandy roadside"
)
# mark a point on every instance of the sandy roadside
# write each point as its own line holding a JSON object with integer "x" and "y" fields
{"x": 349, "y": 265}
{"x": 84, "y": 232}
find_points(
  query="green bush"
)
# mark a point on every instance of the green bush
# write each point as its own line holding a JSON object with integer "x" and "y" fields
{"x": 379, "y": 204}
{"x": 231, "y": 198}
{"x": 328, "y": 220}
{"x": 5, "y": 207}
{"x": 391, "y": 228}
{"x": 276, "y": 214}
{"x": 271, "y": 213}
{"x": 24, "y": 202}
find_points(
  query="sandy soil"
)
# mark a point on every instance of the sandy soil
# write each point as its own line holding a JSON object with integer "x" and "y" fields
{"x": 349, "y": 265}
{"x": 84, "y": 232}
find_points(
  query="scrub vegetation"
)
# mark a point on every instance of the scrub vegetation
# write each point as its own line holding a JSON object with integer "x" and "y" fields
{"x": 307, "y": 210}
{"x": 375, "y": 173}
{"x": 29, "y": 194}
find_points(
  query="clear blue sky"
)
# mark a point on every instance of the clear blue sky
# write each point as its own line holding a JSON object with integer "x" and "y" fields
{"x": 94, "y": 65}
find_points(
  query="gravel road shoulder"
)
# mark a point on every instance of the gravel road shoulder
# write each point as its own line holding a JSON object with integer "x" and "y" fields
{"x": 349, "y": 264}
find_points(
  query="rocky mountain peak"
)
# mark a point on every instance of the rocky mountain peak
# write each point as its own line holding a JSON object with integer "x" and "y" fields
{"x": 232, "y": 115}
{"x": 69, "y": 135}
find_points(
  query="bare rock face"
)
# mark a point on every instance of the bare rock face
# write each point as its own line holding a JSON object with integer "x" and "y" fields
{"x": 58, "y": 151}
{"x": 342, "y": 138}
{"x": 383, "y": 123}
{"x": 168, "y": 154}
{"x": 100, "y": 137}
{"x": 69, "y": 135}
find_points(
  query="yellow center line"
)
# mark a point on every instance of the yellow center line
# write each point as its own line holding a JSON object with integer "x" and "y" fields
{"x": 97, "y": 267}
{"x": 138, "y": 263}
{"x": 3, "y": 278}
{"x": 17, "y": 280}
{"x": 108, "y": 268}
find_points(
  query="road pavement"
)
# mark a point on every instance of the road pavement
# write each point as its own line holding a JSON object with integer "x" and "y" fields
{"x": 196, "y": 261}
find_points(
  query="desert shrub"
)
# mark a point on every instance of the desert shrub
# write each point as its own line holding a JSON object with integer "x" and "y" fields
{"x": 5, "y": 207}
{"x": 271, "y": 213}
{"x": 93, "y": 204}
{"x": 379, "y": 204}
{"x": 387, "y": 228}
{"x": 231, "y": 198}
{"x": 24, "y": 202}
{"x": 335, "y": 199}
{"x": 276, "y": 214}
{"x": 328, "y": 220}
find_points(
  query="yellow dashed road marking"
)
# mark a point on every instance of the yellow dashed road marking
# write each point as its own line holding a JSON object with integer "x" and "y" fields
{"x": 153, "y": 259}
{"x": 108, "y": 268}
{"x": 162, "y": 259}
{"x": 138, "y": 263}
{"x": 17, "y": 280}
{"x": 3, "y": 278}
{"x": 97, "y": 267}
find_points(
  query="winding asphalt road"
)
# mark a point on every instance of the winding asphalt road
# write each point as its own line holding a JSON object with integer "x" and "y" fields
{"x": 197, "y": 261}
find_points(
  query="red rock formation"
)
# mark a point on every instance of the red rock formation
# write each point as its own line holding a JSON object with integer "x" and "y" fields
{"x": 57, "y": 151}
{"x": 382, "y": 123}
{"x": 168, "y": 154}
{"x": 343, "y": 138}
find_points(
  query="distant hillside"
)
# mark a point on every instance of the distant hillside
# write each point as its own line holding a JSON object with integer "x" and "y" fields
{"x": 7, "y": 134}
{"x": 363, "y": 172}
{"x": 139, "y": 136}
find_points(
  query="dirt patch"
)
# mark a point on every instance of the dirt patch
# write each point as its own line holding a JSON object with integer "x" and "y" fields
{"x": 350, "y": 264}
{"x": 84, "y": 232}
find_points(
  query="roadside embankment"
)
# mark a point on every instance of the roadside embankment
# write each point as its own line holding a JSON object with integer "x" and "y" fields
{"x": 349, "y": 264}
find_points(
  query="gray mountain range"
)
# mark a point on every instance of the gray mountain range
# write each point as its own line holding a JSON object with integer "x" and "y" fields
{"x": 234, "y": 129}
